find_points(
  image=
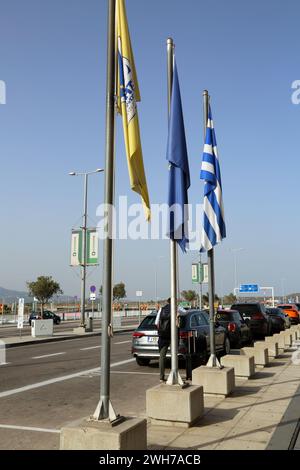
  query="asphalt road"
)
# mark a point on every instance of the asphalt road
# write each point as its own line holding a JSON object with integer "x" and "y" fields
{"x": 67, "y": 326}
{"x": 43, "y": 387}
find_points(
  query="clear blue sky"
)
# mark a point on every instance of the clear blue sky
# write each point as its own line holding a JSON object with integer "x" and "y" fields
{"x": 53, "y": 61}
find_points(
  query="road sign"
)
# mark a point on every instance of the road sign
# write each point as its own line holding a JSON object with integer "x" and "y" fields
{"x": 21, "y": 313}
{"x": 139, "y": 293}
{"x": 248, "y": 288}
{"x": 92, "y": 296}
{"x": 93, "y": 289}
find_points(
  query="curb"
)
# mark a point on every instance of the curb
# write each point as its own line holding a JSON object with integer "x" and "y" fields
{"x": 286, "y": 432}
{"x": 64, "y": 338}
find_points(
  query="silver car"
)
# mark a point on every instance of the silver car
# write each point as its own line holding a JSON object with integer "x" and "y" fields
{"x": 193, "y": 338}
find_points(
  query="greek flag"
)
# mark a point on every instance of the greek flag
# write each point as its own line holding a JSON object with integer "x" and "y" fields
{"x": 214, "y": 229}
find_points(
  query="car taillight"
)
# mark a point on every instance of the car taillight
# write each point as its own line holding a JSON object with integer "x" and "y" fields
{"x": 185, "y": 334}
{"x": 257, "y": 316}
{"x": 231, "y": 327}
{"x": 136, "y": 334}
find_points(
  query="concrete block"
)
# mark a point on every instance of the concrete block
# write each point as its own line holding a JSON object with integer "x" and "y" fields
{"x": 40, "y": 328}
{"x": 131, "y": 434}
{"x": 261, "y": 357}
{"x": 243, "y": 366}
{"x": 214, "y": 380}
{"x": 273, "y": 350}
{"x": 280, "y": 340}
{"x": 173, "y": 405}
{"x": 288, "y": 339}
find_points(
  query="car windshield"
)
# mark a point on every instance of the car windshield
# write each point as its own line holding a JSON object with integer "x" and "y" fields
{"x": 247, "y": 309}
{"x": 148, "y": 321}
{"x": 225, "y": 316}
{"x": 274, "y": 311}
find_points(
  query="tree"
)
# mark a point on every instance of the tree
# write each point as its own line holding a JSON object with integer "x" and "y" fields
{"x": 229, "y": 299}
{"x": 189, "y": 295}
{"x": 44, "y": 288}
{"x": 119, "y": 291}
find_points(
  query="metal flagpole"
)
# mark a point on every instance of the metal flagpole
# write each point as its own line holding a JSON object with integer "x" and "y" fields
{"x": 174, "y": 377}
{"x": 104, "y": 410}
{"x": 212, "y": 362}
{"x": 200, "y": 285}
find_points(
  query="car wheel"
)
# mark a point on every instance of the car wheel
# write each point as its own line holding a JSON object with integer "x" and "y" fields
{"x": 226, "y": 346}
{"x": 142, "y": 361}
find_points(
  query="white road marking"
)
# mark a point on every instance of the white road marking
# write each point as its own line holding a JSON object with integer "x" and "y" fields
{"x": 48, "y": 355}
{"x": 4, "y": 363}
{"x": 8, "y": 393}
{"x": 28, "y": 428}
{"x": 92, "y": 347}
{"x": 123, "y": 342}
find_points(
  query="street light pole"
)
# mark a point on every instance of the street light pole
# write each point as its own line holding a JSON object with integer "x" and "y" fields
{"x": 84, "y": 240}
{"x": 83, "y": 266}
{"x": 234, "y": 251}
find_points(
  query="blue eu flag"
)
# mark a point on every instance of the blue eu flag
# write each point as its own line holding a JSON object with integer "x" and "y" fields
{"x": 179, "y": 173}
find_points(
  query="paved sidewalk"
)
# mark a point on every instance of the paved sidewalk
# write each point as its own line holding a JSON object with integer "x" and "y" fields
{"x": 246, "y": 420}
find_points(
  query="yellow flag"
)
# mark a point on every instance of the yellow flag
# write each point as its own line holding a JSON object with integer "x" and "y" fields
{"x": 127, "y": 96}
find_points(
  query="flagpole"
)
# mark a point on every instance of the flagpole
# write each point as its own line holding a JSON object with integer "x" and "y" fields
{"x": 174, "y": 377}
{"x": 104, "y": 410}
{"x": 212, "y": 362}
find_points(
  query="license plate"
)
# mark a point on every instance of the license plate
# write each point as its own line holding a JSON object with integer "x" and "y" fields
{"x": 152, "y": 339}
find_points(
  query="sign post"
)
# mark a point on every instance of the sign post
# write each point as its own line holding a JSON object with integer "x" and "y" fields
{"x": 93, "y": 297}
{"x": 139, "y": 294}
{"x": 21, "y": 315}
{"x": 200, "y": 277}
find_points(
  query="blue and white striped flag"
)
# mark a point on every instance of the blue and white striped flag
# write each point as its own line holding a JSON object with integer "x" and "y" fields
{"x": 214, "y": 229}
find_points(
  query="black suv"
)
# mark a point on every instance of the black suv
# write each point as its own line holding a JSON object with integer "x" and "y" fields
{"x": 47, "y": 315}
{"x": 193, "y": 338}
{"x": 238, "y": 328}
{"x": 256, "y": 316}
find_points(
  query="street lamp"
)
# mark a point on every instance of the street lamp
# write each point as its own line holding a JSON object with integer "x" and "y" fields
{"x": 282, "y": 289}
{"x": 84, "y": 230}
{"x": 235, "y": 251}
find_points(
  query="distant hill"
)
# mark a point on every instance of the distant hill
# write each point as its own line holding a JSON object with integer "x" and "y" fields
{"x": 12, "y": 295}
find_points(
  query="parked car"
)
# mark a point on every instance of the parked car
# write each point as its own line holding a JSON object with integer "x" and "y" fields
{"x": 47, "y": 315}
{"x": 193, "y": 338}
{"x": 238, "y": 328}
{"x": 280, "y": 319}
{"x": 292, "y": 311}
{"x": 256, "y": 316}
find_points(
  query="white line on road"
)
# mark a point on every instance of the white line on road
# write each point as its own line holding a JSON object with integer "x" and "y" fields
{"x": 48, "y": 355}
{"x": 4, "y": 363}
{"x": 7, "y": 393}
{"x": 123, "y": 342}
{"x": 28, "y": 428}
{"x": 91, "y": 347}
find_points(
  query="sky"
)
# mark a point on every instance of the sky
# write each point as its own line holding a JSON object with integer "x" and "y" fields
{"x": 53, "y": 63}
